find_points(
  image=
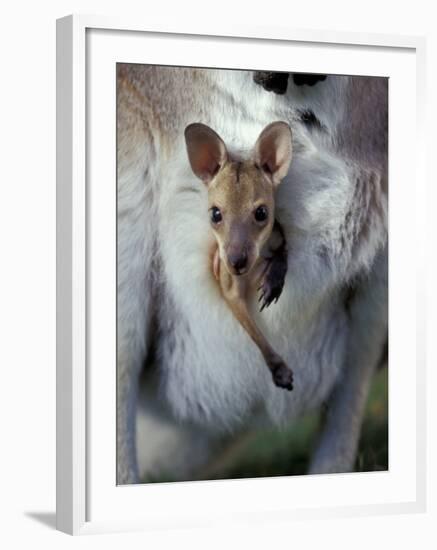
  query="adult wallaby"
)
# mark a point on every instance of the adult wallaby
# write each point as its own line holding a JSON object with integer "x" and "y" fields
{"x": 331, "y": 321}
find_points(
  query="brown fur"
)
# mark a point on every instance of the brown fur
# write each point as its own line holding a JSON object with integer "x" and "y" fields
{"x": 237, "y": 199}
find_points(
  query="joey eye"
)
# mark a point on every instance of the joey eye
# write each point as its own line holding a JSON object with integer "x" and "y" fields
{"x": 261, "y": 213}
{"x": 216, "y": 215}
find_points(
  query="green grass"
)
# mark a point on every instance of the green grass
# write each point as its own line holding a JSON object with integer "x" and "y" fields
{"x": 373, "y": 449}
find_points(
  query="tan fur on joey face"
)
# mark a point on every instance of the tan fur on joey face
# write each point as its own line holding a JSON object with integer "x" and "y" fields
{"x": 240, "y": 192}
{"x": 241, "y": 198}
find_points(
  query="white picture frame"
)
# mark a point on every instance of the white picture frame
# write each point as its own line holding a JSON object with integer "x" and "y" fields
{"x": 75, "y": 462}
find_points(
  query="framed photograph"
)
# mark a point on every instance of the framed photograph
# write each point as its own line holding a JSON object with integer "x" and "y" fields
{"x": 239, "y": 334}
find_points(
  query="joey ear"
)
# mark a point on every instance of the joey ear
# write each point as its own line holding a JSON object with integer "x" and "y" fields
{"x": 273, "y": 151}
{"x": 206, "y": 151}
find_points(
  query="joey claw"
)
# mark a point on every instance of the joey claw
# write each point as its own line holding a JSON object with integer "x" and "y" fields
{"x": 274, "y": 271}
{"x": 271, "y": 292}
{"x": 273, "y": 282}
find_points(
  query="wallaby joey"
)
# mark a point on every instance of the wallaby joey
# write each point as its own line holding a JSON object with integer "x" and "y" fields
{"x": 250, "y": 251}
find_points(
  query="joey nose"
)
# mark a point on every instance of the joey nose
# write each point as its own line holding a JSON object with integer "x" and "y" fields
{"x": 238, "y": 262}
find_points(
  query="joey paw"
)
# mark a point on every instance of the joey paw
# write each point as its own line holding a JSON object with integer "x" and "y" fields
{"x": 282, "y": 376}
{"x": 273, "y": 283}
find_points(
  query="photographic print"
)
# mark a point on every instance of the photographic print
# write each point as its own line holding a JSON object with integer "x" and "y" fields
{"x": 252, "y": 284}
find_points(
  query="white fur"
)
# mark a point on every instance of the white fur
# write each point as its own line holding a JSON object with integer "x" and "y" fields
{"x": 209, "y": 371}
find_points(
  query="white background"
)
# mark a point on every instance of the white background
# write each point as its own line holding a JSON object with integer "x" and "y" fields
{"x": 27, "y": 299}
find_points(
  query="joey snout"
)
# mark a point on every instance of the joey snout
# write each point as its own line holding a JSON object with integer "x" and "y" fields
{"x": 239, "y": 259}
